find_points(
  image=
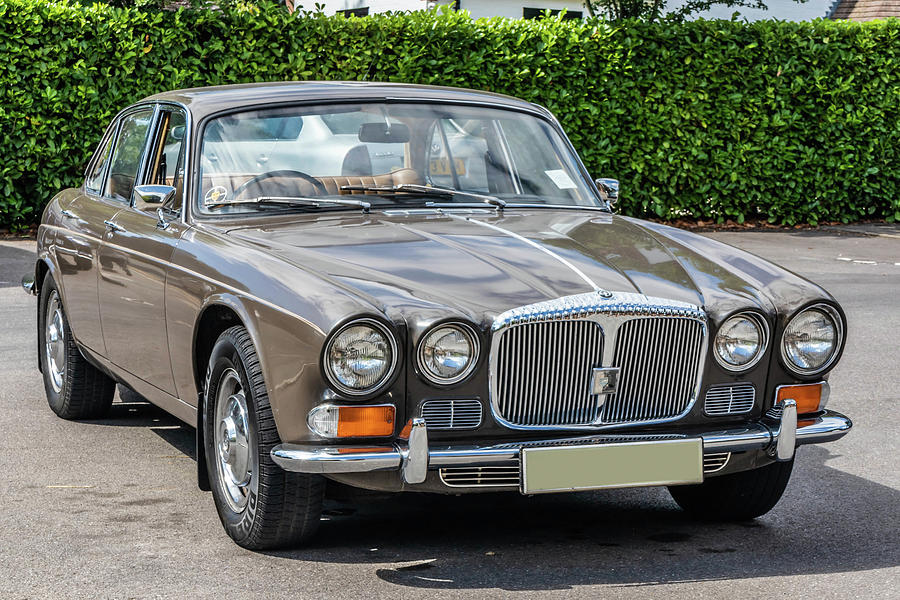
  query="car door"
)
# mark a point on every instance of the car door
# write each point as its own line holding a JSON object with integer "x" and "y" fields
{"x": 134, "y": 258}
{"x": 77, "y": 244}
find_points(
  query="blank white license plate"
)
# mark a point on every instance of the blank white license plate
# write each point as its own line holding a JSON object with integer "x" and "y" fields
{"x": 629, "y": 464}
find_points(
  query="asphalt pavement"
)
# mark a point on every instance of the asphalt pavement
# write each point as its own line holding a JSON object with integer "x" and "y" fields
{"x": 110, "y": 509}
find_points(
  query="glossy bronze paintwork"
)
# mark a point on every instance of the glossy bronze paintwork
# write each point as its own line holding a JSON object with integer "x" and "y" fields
{"x": 136, "y": 297}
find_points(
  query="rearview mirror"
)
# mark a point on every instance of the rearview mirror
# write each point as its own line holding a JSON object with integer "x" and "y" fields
{"x": 382, "y": 133}
{"x": 153, "y": 194}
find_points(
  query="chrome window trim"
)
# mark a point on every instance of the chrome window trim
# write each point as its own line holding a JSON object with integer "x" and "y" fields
{"x": 389, "y": 374}
{"x": 763, "y": 326}
{"x": 153, "y": 107}
{"x": 838, "y": 342}
{"x": 470, "y": 332}
{"x": 610, "y": 313}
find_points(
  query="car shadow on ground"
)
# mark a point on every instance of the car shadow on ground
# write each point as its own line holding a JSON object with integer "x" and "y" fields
{"x": 618, "y": 537}
{"x": 16, "y": 262}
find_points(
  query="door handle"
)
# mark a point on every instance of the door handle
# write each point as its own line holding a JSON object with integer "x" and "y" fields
{"x": 68, "y": 214}
{"x": 111, "y": 226}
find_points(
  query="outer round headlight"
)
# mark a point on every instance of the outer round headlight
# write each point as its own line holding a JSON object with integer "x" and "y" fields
{"x": 811, "y": 339}
{"x": 741, "y": 341}
{"x": 360, "y": 357}
{"x": 448, "y": 353}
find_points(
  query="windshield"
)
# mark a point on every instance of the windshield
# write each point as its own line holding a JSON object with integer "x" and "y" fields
{"x": 385, "y": 154}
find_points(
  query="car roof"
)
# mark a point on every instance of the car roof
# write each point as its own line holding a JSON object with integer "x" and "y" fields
{"x": 203, "y": 101}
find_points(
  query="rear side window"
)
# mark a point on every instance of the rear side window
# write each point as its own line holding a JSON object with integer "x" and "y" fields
{"x": 127, "y": 155}
{"x": 94, "y": 181}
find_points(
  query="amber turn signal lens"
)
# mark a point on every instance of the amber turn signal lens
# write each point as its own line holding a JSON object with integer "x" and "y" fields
{"x": 365, "y": 421}
{"x": 808, "y": 397}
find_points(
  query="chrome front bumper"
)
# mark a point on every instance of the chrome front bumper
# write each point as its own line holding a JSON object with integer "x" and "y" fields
{"x": 413, "y": 458}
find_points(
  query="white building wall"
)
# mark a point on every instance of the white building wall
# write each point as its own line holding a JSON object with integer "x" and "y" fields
{"x": 786, "y": 10}
{"x": 783, "y": 10}
{"x": 478, "y": 8}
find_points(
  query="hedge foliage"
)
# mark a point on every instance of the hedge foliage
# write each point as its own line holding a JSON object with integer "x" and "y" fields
{"x": 790, "y": 122}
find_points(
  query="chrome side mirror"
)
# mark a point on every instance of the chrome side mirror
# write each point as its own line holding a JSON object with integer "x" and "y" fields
{"x": 609, "y": 189}
{"x": 154, "y": 194}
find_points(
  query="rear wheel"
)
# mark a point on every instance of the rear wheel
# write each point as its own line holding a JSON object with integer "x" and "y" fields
{"x": 736, "y": 497}
{"x": 75, "y": 388}
{"x": 260, "y": 505}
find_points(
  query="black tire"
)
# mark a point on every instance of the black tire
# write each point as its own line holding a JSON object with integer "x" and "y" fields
{"x": 736, "y": 497}
{"x": 274, "y": 508}
{"x": 77, "y": 389}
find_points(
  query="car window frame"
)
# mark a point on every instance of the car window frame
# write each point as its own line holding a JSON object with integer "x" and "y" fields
{"x": 147, "y": 163}
{"x": 110, "y": 136}
{"x": 142, "y": 162}
{"x": 191, "y": 201}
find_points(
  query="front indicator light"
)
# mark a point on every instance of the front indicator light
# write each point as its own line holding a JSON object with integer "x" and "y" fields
{"x": 331, "y": 421}
{"x": 810, "y": 397}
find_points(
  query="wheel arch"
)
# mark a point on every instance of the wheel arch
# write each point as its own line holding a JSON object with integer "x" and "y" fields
{"x": 218, "y": 313}
{"x": 42, "y": 266}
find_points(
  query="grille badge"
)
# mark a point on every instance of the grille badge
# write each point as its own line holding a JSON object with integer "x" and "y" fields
{"x": 604, "y": 380}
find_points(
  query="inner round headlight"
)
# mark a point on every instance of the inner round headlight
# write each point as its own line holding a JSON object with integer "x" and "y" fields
{"x": 741, "y": 341}
{"x": 360, "y": 357}
{"x": 811, "y": 339}
{"x": 448, "y": 353}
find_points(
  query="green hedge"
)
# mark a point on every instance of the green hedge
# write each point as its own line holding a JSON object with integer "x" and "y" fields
{"x": 790, "y": 122}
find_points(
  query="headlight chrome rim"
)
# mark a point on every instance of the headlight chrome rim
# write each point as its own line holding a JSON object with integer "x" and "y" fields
{"x": 469, "y": 332}
{"x": 762, "y": 325}
{"x": 385, "y": 379}
{"x": 832, "y": 313}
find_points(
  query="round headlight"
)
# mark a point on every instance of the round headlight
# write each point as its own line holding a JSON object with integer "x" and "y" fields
{"x": 741, "y": 341}
{"x": 811, "y": 339}
{"x": 360, "y": 357}
{"x": 448, "y": 353}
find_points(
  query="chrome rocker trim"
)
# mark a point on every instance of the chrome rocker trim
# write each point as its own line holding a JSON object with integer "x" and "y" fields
{"x": 414, "y": 458}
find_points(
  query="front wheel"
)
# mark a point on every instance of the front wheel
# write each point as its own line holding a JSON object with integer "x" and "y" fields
{"x": 261, "y": 506}
{"x": 736, "y": 497}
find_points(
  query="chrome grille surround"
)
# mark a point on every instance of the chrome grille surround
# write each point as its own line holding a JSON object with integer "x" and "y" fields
{"x": 610, "y": 314}
{"x": 452, "y": 413}
{"x": 729, "y": 399}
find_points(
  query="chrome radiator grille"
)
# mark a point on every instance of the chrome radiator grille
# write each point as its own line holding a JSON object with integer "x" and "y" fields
{"x": 544, "y": 370}
{"x": 542, "y": 358}
{"x": 659, "y": 359}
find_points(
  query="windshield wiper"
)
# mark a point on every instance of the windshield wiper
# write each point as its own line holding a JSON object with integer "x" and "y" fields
{"x": 426, "y": 190}
{"x": 291, "y": 201}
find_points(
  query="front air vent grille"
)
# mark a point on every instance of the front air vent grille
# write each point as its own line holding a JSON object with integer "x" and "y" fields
{"x": 456, "y": 413}
{"x": 715, "y": 462}
{"x": 732, "y": 399}
{"x": 494, "y": 476}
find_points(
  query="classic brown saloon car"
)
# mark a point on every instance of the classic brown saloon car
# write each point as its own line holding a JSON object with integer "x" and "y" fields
{"x": 407, "y": 288}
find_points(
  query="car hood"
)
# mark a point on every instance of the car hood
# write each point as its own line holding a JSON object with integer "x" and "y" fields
{"x": 481, "y": 263}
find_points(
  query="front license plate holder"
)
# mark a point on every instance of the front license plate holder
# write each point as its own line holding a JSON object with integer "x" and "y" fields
{"x": 620, "y": 465}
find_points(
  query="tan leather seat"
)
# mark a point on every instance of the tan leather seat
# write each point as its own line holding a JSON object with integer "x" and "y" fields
{"x": 297, "y": 186}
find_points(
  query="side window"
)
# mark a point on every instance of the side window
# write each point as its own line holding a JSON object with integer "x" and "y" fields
{"x": 167, "y": 166}
{"x": 94, "y": 181}
{"x": 127, "y": 155}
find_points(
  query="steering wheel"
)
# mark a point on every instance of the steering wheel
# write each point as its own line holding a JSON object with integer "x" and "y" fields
{"x": 256, "y": 180}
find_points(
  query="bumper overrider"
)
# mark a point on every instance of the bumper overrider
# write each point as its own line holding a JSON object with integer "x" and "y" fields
{"x": 412, "y": 458}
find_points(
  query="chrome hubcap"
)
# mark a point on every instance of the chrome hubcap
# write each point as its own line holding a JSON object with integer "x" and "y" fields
{"x": 55, "y": 341}
{"x": 234, "y": 448}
